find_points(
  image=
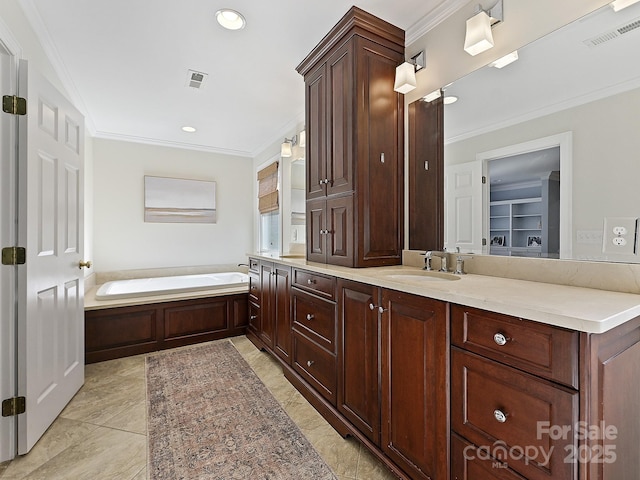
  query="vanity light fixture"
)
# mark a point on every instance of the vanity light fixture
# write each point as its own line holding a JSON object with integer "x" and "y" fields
{"x": 302, "y": 139}
{"x": 285, "y": 148}
{"x": 618, "y": 5}
{"x": 478, "y": 37}
{"x": 506, "y": 60}
{"x": 230, "y": 19}
{"x": 188, "y": 129}
{"x": 406, "y": 73}
{"x": 430, "y": 97}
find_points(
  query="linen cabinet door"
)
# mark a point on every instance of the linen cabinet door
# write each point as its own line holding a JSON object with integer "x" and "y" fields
{"x": 339, "y": 232}
{"x": 415, "y": 390}
{"x": 358, "y": 365}
{"x": 340, "y": 106}
{"x": 316, "y": 230}
{"x": 316, "y": 127}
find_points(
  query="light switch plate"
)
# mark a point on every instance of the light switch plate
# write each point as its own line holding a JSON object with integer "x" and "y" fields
{"x": 620, "y": 235}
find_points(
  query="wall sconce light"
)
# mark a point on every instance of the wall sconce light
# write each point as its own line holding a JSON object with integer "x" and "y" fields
{"x": 406, "y": 73}
{"x": 285, "y": 148}
{"x": 618, "y": 5}
{"x": 506, "y": 60}
{"x": 478, "y": 37}
{"x": 302, "y": 139}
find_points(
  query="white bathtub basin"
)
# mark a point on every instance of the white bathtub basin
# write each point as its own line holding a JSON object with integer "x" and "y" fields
{"x": 139, "y": 287}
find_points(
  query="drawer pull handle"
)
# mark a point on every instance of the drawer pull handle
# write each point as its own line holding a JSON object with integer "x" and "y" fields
{"x": 310, "y": 362}
{"x": 500, "y": 339}
{"x": 500, "y": 416}
{"x": 310, "y": 316}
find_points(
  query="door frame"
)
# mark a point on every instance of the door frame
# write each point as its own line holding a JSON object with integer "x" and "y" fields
{"x": 10, "y": 47}
{"x": 563, "y": 140}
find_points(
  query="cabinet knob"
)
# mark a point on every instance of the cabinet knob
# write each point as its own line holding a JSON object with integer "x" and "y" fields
{"x": 310, "y": 281}
{"x": 310, "y": 316}
{"x": 500, "y": 339}
{"x": 253, "y": 317}
{"x": 310, "y": 362}
{"x": 500, "y": 416}
{"x": 372, "y": 306}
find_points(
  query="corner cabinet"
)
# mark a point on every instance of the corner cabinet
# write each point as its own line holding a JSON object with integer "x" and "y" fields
{"x": 355, "y": 137}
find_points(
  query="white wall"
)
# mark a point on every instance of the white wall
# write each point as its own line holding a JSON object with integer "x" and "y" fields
{"x": 124, "y": 241}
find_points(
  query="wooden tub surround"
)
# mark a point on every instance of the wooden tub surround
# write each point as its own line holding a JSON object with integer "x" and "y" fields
{"x": 124, "y": 330}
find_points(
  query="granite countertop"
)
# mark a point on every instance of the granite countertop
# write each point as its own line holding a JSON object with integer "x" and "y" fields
{"x": 577, "y": 308}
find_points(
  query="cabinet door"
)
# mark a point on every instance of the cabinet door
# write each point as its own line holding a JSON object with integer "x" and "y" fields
{"x": 339, "y": 235}
{"x": 380, "y": 158}
{"x": 358, "y": 366}
{"x": 316, "y": 236}
{"x": 415, "y": 391}
{"x": 340, "y": 106}
{"x": 266, "y": 303}
{"x": 254, "y": 318}
{"x": 282, "y": 309}
{"x": 316, "y": 127}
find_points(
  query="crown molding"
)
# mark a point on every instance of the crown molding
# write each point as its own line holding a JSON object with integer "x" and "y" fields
{"x": 433, "y": 19}
{"x": 50, "y": 50}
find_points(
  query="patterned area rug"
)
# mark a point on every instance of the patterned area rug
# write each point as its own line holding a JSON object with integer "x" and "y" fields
{"x": 210, "y": 417}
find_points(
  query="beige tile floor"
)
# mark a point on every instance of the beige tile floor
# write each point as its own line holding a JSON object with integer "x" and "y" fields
{"x": 101, "y": 434}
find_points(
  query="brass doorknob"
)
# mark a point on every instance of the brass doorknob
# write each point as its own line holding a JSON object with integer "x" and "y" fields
{"x": 83, "y": 264}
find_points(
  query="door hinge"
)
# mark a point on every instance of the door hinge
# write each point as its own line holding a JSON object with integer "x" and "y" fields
{"x": 14, "y": 406}
{"x": 14, "y": 255}
{"x": 484, "y": 242}
{"x": 484, "y": 179}
{"x": 14, "y": 105}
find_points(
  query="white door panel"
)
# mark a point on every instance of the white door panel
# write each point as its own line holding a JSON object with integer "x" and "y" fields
{"x": 50, "y": 311}
{"x": 463, "y": 207}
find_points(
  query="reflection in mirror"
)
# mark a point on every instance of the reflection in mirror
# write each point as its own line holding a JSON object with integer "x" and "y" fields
{"x": 576, "y": 90}
{"x": 293, "y": 214}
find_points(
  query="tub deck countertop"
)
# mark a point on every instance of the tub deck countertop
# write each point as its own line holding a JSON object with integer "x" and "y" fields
{"x": 90, "y": 302}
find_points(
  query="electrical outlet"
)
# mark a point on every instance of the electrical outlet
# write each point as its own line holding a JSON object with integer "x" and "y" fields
{"x": 620, "y": 234}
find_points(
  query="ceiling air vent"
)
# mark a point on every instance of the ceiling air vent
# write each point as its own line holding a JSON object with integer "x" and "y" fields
{"x": 196, "y": 79}
{"x": 613, "y": 34}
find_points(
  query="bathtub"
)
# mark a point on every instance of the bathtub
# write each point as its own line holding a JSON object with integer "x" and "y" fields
{"x": 140, "y": 287}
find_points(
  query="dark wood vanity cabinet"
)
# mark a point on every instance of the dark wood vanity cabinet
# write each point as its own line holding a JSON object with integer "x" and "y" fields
{"x": 270, "y": 307}
{"x": 415, "y": 387}
{"x": 393, "y": 375}
{"x": 358, "y": 364}
{"x": 355, "y": 136}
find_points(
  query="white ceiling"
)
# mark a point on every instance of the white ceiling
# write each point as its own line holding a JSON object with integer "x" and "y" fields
{"x": 125, "y": 64}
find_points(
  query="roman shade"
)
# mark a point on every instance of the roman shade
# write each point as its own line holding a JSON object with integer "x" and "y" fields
{"x": 268, "y": 188}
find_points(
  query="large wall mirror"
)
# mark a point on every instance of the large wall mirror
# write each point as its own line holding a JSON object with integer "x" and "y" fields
{"x": 564, "y": 119}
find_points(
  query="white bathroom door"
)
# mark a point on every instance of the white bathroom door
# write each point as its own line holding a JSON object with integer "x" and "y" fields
{"x": 463, "y": 207}
{"x": 50, "y": 224}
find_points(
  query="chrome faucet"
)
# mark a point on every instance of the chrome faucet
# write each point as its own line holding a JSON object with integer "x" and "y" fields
{"x": 443, "y": 259}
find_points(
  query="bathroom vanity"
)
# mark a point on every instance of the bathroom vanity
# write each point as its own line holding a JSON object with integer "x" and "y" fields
{"x": 463, "y": 377}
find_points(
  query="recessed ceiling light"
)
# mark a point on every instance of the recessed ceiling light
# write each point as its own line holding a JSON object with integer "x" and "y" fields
{"x": 449, "y": 99}
{"x": 188, "y": 129}
{"x": 230, "y": 19}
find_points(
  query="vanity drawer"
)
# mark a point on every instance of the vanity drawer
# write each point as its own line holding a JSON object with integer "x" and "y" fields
{"x": 315, "y": 318}
{"x": 468, "y": 463}
{"x": 503, "y": 409}
{"x": 254, "y": 264}
{"x": 254, "y": 287}
{"x": 314, "y": 282}
{"x": 543, "y": 350}
{"x": 315, "y": 365}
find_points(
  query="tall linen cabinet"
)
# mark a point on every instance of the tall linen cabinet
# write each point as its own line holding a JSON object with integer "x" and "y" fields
{"x": 355, "y": 138}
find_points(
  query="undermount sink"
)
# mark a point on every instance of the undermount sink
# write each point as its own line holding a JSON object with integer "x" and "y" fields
{"x": 420, "y": 276}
